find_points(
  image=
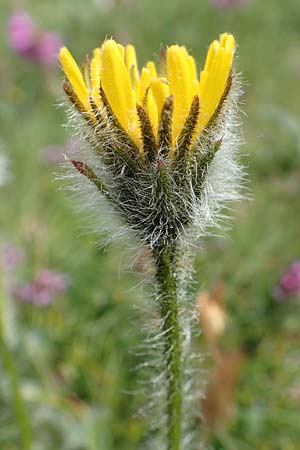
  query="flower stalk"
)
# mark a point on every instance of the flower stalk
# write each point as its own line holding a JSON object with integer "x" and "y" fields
{"x": 167, "y": 282}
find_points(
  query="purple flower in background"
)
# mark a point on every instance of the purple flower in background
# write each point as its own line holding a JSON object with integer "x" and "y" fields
{"x": 11, "y": 256}
{"x": 26, "y": 292}
{"x": 224, "y": 4}
{"x": 47, "y": 49}
{"x": 289, "y": 283}
{"x": 44, "y": 289}
{"x": 21, "y": 33}
{"x": 52, "y": 280}
{"x": 28, "y": 41}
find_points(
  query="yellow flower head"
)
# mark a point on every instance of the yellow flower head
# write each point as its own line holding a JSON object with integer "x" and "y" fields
{"x": 131, "y": 93}
{"x": 161, "y": 143}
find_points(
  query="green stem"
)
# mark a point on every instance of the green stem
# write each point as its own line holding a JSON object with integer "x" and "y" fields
{"x": 19, "y": 405}
{"x": 166, "y": 275}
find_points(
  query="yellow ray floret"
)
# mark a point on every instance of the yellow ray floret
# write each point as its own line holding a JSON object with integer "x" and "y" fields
{"x": 131, "y": 64}
{"x": 115, "y": 69}
{"x": 74, "y": 76}
{"x": 181, "y": 77}
{"x": 151, "y": 66}
{"x": 160, "y": 91}
{"x": 117, "y": 87}
{"x": 152, "y": 110}
{"x": 214, "y": 77}
{"x": 143, "y": 85}
{"x": 95, "y": 75}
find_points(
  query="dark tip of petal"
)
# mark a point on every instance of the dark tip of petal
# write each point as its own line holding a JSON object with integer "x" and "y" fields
{"x": 160, "y": 164}
{"x": 85, "y": 170}
{"x": 80, "y": 166}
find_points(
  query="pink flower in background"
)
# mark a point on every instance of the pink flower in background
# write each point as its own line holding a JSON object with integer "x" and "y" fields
{"x": 223, "y": 4}
{"x": 11, "y": 256}
{"x": 47, "y": 49}
{"x": 21, "y": 33}
{"x": 28, "y": 41}
{"x": 289, "y": 283}
{"x": 26, "y": 292}
{"x": 44, "y": 289}
{"x": 52, "y": 280}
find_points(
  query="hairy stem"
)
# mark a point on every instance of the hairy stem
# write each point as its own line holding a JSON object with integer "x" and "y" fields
{"x": 166, "y": 276}
{"x": 18, "y": 402}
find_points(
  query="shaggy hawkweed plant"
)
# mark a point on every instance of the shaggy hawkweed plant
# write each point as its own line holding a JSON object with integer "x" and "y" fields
{"x": 160, "y": 153}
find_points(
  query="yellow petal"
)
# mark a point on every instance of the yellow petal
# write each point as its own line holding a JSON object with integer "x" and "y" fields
{"x": 213, "y": 89}
{"x": 211, "y": 54}
{"x": 227, "y": 41}
{"x": 131, "y": 63}
{"x": 96, "y": 76}
{"x": 193, "y": 68}
{"x": 74, "y": 76}
{"x": 180, "y": 79}
{"x": 86, "y": 72}
{"x": 223, "y": 39}
{"x": 230, "y": 43}
{"x": 152, "y": 111}
{"x": 144, "y": 84}
{"x": 151, "y": 66}
{"x": 160, "y": 89}
{"x": 203, "y": 78}
{"x": 214, "y": 77}
{"x": 121, "y": 49}
{"x": 117, "y": 87}
{"x": 215, "y": 84}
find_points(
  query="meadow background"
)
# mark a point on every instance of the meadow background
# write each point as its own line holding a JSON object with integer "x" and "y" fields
{"x": 72, "y": 348}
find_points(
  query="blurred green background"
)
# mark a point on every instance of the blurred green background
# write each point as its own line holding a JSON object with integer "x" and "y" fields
{"x": 74, "y": 356}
